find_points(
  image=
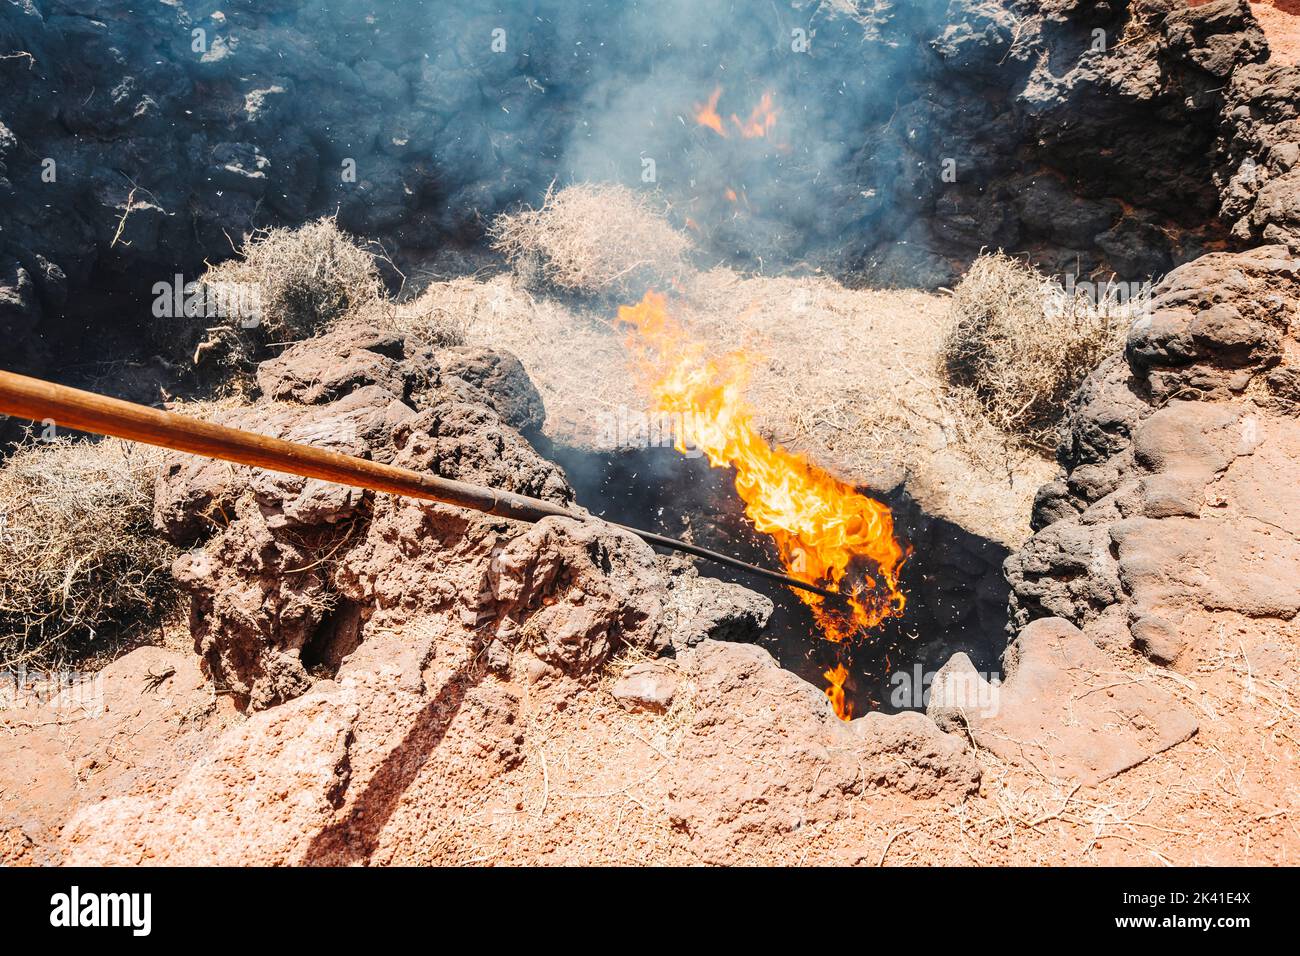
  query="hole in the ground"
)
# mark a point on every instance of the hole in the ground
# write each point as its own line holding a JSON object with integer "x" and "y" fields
{"x": 956, "y": 593}
{"x": 337, "y": 637}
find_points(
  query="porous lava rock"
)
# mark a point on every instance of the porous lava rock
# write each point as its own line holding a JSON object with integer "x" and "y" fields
{"x": 765, "y": 755}
{"x": 1176, "y": 493}
{"x": 289, "y": 574}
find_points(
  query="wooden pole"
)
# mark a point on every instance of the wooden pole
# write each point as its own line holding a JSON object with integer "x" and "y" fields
{"x": 38, "y": 400}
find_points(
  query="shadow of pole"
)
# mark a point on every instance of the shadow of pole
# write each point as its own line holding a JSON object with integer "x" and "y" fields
{"x": 355, "y": 837}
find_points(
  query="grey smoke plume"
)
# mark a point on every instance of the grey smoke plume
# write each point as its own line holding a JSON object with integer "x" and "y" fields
{"x": 138, "y": 140}
{"x": 814, "y": 179}
{"x": 513, "y": 97}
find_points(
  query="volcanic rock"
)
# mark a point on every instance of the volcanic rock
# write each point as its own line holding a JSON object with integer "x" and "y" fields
{"x": 765, "y": 755}
{"x": 569, "y": 591}
{"x": 501, "y": 377}
{"x": 1063, "y": 710}
{"x": 649, "y": 685}
{"x": 1157, "y": 639}
{"x": 320, "y": 778}
{"x": 194, "y": 493}
{"x": 1174, "y": 495}
{"x": 138, "y": 723}
{"x": 1258, "y": 150}
{"x": 704, "y": 608}
{"x": 258, "y": 799}
{"x": 326, "y": 368}
{"x": 286, "y": 548}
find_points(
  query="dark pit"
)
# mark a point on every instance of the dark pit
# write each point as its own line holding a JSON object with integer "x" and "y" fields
{"x": 956, "y": 593}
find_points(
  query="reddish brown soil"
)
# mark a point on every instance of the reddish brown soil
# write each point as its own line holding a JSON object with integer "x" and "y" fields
{"x": 157, "y": 714}
{"x": 1280, "y": 20}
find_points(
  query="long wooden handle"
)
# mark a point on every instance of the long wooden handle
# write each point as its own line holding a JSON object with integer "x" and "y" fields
{"x": 38, "y": 400}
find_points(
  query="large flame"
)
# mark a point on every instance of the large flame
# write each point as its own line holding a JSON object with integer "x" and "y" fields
{"x": 825, "y": 531}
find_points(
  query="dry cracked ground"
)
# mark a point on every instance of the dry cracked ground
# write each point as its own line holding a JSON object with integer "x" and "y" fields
{"x": 379, "y": 681}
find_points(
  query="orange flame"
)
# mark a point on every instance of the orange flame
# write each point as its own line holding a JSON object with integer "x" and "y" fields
{"x": 826, "y": 532}
{"x": 706, "y": 114}
{"x": 836, "y": 677}
{"x": 762, "y": 119}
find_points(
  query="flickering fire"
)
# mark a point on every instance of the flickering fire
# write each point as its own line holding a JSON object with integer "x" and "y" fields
{"x": 706, "y": 114}
{"x": 835, "y": 677}
{"x": 825, "y": 531}
{"x": 761, "y": 121}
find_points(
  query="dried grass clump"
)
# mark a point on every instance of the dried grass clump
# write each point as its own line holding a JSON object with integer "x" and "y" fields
{"x": 593, "y": 239}
{"x": 79, "y": 557}
{"x": 286, "y": 285}
{"x": 1020, "y": 345}
{"x": 440, "y": 316}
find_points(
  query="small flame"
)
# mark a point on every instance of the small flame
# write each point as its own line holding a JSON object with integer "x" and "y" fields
{"x": 836, "y": 677}
{"x": 706, "y": 114}
{"x": 825, "y": 531}
{"x": 762, "y": 119}
{"x": 731, "y": 195}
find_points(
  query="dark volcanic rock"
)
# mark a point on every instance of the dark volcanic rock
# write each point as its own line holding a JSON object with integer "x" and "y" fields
{"x": 1176, "y": 495}
{"x": 137, "y": 142}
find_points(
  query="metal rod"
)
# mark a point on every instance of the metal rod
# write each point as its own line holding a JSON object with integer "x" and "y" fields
{"x": 38, "y": 400}
{"x": 649, "y": 537}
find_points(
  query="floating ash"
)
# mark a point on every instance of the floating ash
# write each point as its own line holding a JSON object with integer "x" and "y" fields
{"x": 826, "y": 532}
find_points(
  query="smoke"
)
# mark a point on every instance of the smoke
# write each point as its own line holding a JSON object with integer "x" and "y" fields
{"x": 139, "y": 141}
{"x": 817, "y": 77}
{"x": 898, "y": 137}
{"x": 564, "y": 92}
